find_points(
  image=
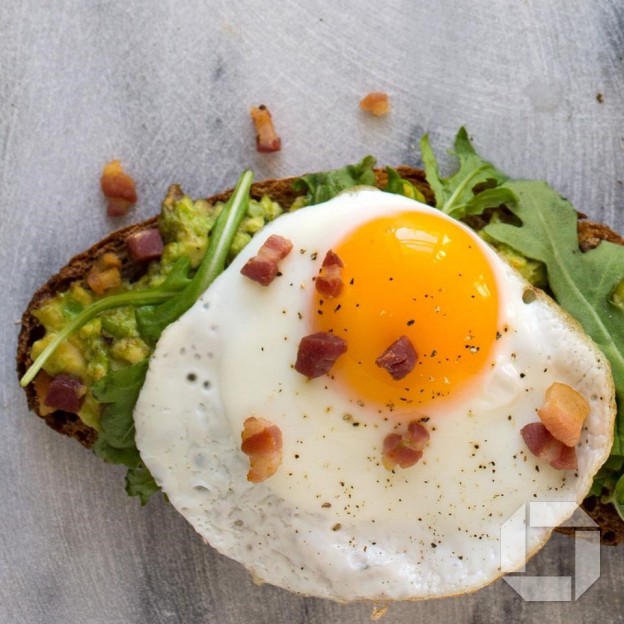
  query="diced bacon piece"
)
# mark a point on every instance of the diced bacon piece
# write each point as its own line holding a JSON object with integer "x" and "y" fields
{"x": 564, "y": 413}
{"x": 376, "y": 102}
{"x": 263, "y": 268}
{"x": 41, "y": 384}
{"x": 266, "y": 137}
{"x": 66, "y": 393}
{"x": 105, "y": 274}
{"x": 261, "y": 440}
{"x": 566, "y": 460}
{"x": 318, "y": 352}
{"x": 118, "y": 188}
{"x": 396, "y": 453}
{"x": 399, "y": 358}
{"x": 404, "y": 450}
{"x": 145, "y": 245}
{"x": 278, "y": 245}
{"x": 329, "y": 282}
{"x": 542, "y": 444}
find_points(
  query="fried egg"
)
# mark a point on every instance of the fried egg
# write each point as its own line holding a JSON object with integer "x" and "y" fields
{"x": 333, "y": 521}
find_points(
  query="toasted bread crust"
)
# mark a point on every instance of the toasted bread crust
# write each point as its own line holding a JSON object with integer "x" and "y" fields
{"x": 280, "y": 190}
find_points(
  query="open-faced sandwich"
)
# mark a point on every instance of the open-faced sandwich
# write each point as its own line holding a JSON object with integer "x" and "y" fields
{"x": 350, "y": 380}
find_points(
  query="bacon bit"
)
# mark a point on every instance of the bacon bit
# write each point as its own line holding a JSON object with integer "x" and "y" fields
{"x": 376, "y": 103}
{"x": 118, "y": 188}
{"x": 399, "y": 358}
{"x": 261, "y": 440}
{"x": 145, "y": 245}
{"x": 266, "y": 137}
{"x": 105, "y": 273}
{"x": 263, "y": 268}
{"x": 566, "y": 460}
{"x": 543, "y": 444}
{"x": 41, "y": 383}
{"x": 66, "y": 393}
{"x": 318, "y": 352}
{"x": 404, "y": 450}
{"x": 564, "y": 413}
{"x": 329, "y": 282}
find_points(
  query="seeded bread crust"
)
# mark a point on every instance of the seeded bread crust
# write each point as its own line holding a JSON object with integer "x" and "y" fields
{"x": 280, "y": 190}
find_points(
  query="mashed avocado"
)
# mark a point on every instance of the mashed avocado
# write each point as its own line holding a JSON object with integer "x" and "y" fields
{"x": 112, "y": 340}
{"x": 533, "y": 271}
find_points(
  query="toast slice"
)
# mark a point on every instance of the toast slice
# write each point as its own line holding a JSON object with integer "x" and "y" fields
{"x": 281, "y": 191}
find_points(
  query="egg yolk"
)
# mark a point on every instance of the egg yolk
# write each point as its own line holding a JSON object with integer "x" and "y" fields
{"x": 418, "y": 275}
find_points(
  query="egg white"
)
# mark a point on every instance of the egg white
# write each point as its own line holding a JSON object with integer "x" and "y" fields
{"x": 332, "y": 522}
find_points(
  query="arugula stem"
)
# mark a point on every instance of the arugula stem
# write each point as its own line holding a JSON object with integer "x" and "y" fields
{"x": 152, "y": 320}
{"x": 141, "y": 297}
{"x": 448, "y": 205}
{"x": 222, "y": 236}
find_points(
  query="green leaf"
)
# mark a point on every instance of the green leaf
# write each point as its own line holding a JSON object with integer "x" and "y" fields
{"x": 582, "y": 283}
{"x": 127, "y": 456}
{"x": 139, "y": 482}
{"x": 119, "y": 390}
{"x": 399, "y": 186}
{"x": 152, "y": 319}
{"x": 456, "y": 194}
{"x": 618, "y": 497}
{"x": 322, "y": 186}
{"x": 490, "y": 198}
{"x": 614, "y": 463}
{"x": 118, "y": 384}
{"x": 178, "y": 276}
{"x": 597, "y": 485}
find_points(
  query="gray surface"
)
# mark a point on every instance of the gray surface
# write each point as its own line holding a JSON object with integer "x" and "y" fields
{"x": 166, "y": 87}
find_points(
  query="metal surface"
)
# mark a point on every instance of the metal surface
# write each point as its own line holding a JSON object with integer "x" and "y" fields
{"x": 166, "y": 86}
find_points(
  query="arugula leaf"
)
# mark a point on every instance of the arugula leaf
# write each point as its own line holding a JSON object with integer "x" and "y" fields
{"x": 490, "y": 198}
{"x": 126, "y": 457}
{"x": 119, "y": 390}
{"x": 324, "y": 185}
{"x": 607, "y": 477}
{"x": 400, "y": 186}
{"x": 618, "y": 497}
{"x": 178, "y": 276}
{"x": 152, "y": 319}
{"x": 139, "y": 482}
{"x": 458, "y": 195}
{"x": 582, "y": 283}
